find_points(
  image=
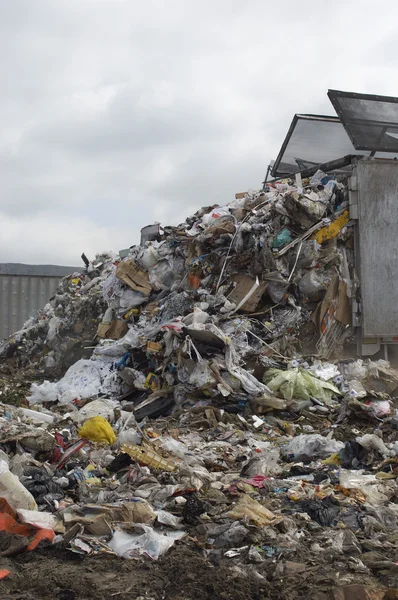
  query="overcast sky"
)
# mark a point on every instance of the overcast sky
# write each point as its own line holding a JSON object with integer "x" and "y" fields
{"x": 119, "y": 113}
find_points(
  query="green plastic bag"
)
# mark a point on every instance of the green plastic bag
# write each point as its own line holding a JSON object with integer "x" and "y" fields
{"x": 299, "y": 384}
{"x": 284, "y": 237}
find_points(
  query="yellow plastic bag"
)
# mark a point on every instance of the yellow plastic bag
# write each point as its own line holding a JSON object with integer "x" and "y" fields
{"x": 97, "y": 429}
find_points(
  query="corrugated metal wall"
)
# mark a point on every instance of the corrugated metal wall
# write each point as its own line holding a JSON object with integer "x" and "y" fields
{"x": 20, "y": 297}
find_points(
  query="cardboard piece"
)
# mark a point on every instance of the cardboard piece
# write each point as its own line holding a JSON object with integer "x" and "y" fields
{"x": 223, "y": 228}
{"x": 95, "y": 524}
{"x": 113, "y": 330}
{"x": 335, "y": 305}
{"x": 343, "y": 311}
{"x": 154, "y": 347}
{"x": 244, "y": 284}
{"x": 132, "y": 276}
{"x": 204, "y": 336}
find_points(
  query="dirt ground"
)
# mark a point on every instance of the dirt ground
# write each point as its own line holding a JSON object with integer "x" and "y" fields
{"x": 182, "y": 575}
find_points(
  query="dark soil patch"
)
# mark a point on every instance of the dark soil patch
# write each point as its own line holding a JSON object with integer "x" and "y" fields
{"x": 182, "y": 575}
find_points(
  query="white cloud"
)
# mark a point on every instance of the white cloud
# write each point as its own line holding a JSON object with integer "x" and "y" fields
{"x": 116, "y": 113}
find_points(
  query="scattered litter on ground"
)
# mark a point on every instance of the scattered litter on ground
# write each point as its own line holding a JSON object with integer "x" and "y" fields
{"x": 191, "y": 418}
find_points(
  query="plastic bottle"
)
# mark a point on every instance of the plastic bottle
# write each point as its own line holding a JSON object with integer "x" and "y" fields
{"x": 13, "y": 491}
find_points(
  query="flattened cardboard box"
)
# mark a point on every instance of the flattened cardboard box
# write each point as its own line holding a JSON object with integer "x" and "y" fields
{"x": 154, "y": 346}
{"x": 337, "y": 299}
{"x": 113, "y": 330}
{"x": 132, "y": 276}
{"x": 244, "y": 284}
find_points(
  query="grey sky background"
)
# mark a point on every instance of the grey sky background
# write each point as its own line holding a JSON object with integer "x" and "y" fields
{"x": 119, "y": 113}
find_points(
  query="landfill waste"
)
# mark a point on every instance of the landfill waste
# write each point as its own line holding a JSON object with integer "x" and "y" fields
{"x": 194, "y": 394}
{"x": 18, "y": 534}
{"x": 98, "y": 429}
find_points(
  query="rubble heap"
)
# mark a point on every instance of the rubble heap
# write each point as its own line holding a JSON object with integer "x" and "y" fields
{"x": 271, "y": 255}
{"x": 187, "y": 412}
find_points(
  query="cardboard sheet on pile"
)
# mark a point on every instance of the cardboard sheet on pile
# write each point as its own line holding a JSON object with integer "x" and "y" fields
{"x": 134, "y": 277}
{"x": 244, "y": 283}
{"x": 114, "y": 330}
{"x": 335, "y": 304}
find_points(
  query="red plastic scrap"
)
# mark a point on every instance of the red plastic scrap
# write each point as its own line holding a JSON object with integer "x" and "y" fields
{"x": 4, "y": 573}
{"x": 257, "y": 481}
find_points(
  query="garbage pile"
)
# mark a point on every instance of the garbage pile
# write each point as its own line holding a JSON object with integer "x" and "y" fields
{"x": 55, "y": 338}
{"x": 274, "y": 254}
{"x": 192, "y": 417}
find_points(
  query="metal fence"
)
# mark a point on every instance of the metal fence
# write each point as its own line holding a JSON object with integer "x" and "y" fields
{"x": 21, "y": 297}
{"x": 24, "y": 289}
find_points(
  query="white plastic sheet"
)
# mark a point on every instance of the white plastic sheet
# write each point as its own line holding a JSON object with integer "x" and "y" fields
{"x": 149, "y": 542}
{"x": 82, "y": 380}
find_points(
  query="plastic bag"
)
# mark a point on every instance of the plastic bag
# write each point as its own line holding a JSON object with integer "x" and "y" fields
{"x": 180, "y": 450}
{"x": 356, "y": 389}
{"x": 53, "y": 327}
{"x": 148, "y": 257}
{"x": 45, "y": 392}
{"x": 50, "y": 362}
{"x": 325, "y": 371}
{"x": 325, "y": 511}
{"x": 222, "y": 537}
{"x": 250, "y": 509}
{"x": 162, "y": 276}
{"x": 13, "y": 491}
{"x": 108, "y": 316}
{"x": 317, "y": 178}
{"x": 195, "y": 476}
{"x": 354, "y": 370}
{"x": 311, "y": 446}
{"x": 149, "y": 542}
{"x": 276, "y": 290}
{"x": 300, "y": 384}
{"x": 308, "y": 256}
{"x": 367, "y": 484}
{"x": 202, "y": 376}
{"x": 82, "y": 380}
{"x": 304, "y": 210}
{"x": 250, "y": 384}
{"x": 371, "y": 441}
{"x": 311, "y": 285}
{"x": 129, "y": 436}
{"x": 99, "y": 408}
{"x": 43, "y": 520}
{"x": 197, "y": 317}
{"x": 131, "y": 298}
{"x": 166, "y": 518}
{"x": 215, "y": 215}
{"x": 265, "y": 463}
{"x": 379, "y": 408}
{"x": 97, "y": 429}
{"x": 284, "y": 237}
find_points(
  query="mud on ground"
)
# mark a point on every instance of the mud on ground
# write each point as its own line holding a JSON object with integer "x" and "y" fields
{"x": 182, "y": 575}
{"x": 54, "y": 573}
